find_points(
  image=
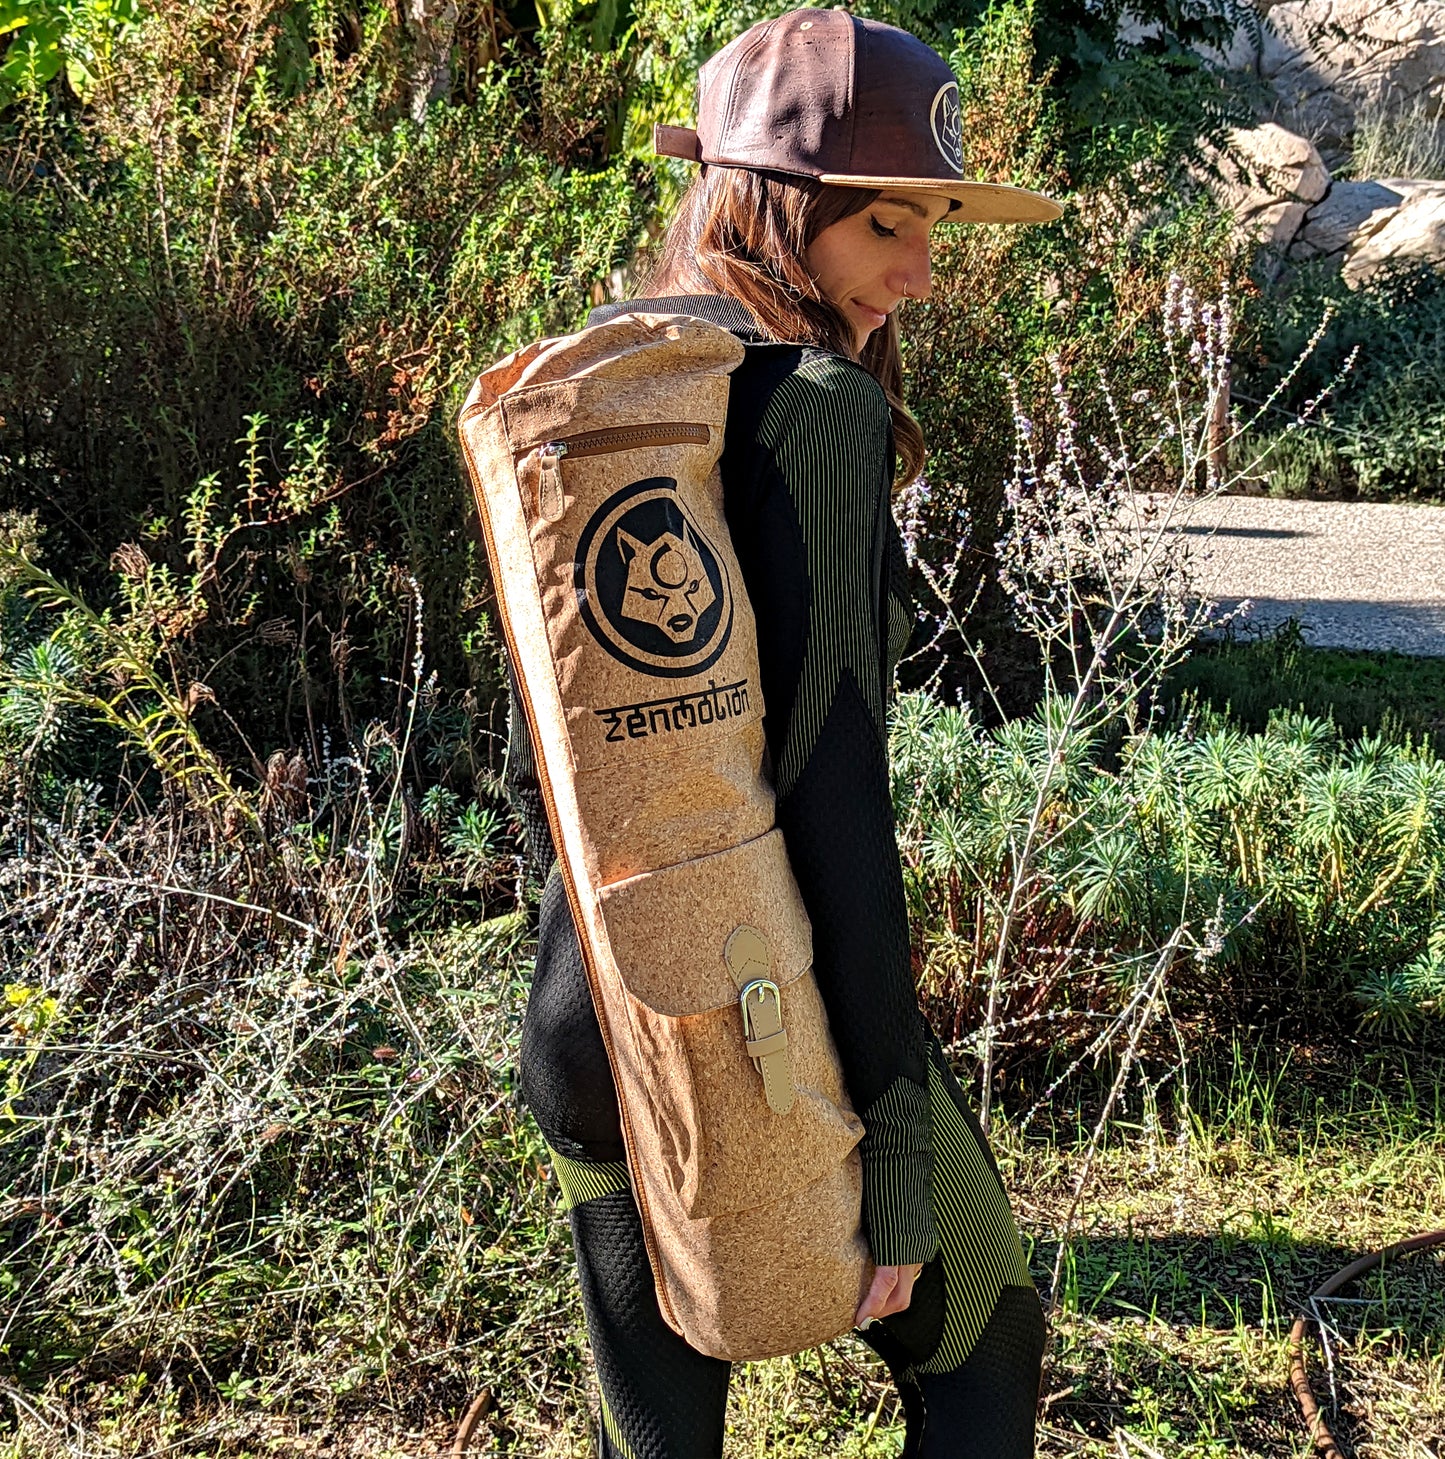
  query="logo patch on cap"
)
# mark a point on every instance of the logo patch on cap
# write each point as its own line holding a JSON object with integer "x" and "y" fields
{"x": 946, "y": 120}
{"x": 650, "y": 586}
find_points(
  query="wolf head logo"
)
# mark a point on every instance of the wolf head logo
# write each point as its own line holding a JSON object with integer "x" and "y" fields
{"x": 946, "y": 119}
{"x": 651, "y": 587}
{"x": 667, "y": 582}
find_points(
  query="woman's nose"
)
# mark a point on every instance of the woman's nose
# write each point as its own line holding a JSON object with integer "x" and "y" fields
{"x": 914, "y": 277}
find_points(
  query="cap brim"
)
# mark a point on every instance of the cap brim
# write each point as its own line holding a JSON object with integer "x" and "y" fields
{"x": 979, "y": 202}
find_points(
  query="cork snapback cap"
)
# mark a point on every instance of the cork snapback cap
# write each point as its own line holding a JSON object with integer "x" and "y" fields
{"x": 851, "y": 102}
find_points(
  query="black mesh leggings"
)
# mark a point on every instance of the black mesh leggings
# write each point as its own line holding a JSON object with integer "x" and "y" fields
{"x": 662, "y": 1399}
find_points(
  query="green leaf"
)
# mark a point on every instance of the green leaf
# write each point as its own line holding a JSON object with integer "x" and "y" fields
{"x": 33, "y": 59}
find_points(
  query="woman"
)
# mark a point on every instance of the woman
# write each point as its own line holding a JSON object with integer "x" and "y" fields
{"x": 830, "y": 147}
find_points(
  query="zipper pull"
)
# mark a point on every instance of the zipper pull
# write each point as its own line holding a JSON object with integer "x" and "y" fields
{"x": 550, "y": 500}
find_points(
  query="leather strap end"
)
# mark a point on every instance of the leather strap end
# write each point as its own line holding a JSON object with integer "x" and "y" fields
{"x": 777, "y": 1072}
{"x": 669, "y": 141}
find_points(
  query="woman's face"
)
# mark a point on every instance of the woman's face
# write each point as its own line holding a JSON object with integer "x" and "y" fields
{"x": 867, "y": 262}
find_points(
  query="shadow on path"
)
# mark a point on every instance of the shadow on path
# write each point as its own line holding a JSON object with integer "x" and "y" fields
{"x": 1261, "y": 532}
{"x": 1409, "y": 628}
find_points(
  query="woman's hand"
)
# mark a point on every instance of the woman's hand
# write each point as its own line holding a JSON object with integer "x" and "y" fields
{"x": 891, "y": 1292}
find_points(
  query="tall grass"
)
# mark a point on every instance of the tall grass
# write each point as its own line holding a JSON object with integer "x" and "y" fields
{"x": 292, "y": 1157}
{"x": 1394, "y": 139}
{"x": 258, "y": 1142}
{"x": 258, "y": 1145}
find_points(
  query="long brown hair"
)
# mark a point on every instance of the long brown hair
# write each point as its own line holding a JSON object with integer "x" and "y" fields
{"x": 744, "y": 233}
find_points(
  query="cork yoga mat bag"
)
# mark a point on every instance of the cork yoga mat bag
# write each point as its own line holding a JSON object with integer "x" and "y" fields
{"x": 593, "y": 459}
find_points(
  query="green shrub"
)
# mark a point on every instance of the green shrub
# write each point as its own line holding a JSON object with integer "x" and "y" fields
{"x": 236, "y": 257}
{"x": 1306, "y": 870}
{"x": 1137, "y": 91}
{"x": 48, "y": 38}
{"x": 1382, "y": 436}
{"x": 1304, "y": 462}
{"x": 242, "y": 284}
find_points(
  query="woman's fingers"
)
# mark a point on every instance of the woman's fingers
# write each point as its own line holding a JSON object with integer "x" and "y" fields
{"x": 891, "y": 1291}
{"x": 902, "y": 1294}
{"x": 885, "y": 1278}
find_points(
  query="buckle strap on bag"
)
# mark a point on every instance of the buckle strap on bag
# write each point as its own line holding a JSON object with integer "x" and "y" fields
{"x": 749, "y": 961}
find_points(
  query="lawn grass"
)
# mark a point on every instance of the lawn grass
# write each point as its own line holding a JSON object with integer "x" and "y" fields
{"x": 1198, "y": 1244}
{"x": 1391, "y": 694}
{"x": 1200, "y": 1236}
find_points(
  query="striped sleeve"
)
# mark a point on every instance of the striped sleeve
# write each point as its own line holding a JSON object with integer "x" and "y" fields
{"x": 898, "y": 1157}
{"x": 829, "y": 426}
{"x": 826, "y": 438}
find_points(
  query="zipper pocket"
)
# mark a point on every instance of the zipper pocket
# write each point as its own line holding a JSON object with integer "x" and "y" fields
{"x": 551, "y": 501}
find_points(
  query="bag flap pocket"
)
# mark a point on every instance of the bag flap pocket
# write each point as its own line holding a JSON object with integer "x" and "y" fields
{"x": 669, "y": 929}
{"x": 744, "y": 1091}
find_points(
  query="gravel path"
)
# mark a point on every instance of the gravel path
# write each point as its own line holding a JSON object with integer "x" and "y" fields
{"x": 1356, "y": 575}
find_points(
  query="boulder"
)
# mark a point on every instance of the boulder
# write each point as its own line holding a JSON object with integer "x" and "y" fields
{"x": 1269, "y": 179}
{"x": 1328, "y": 60}
{"x": 1331, "y": 225}
{"x": 1413, "y": 232}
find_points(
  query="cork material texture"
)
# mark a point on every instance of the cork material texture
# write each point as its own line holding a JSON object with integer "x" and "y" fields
{"x": 795, "y": 1269}
{"x": 715, "y": 1139}
{"x": 670, "y": 928}
{"x": 593, "y": 460}
{"x": 677, "y": 806}
{"x": 711, "y": 1130}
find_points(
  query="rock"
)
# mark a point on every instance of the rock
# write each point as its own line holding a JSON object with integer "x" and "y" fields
{"x": 1367, "y": 225}
{"x": 1269, "y": 179}
{"x": 1328, "y": 60}
{"x": 1241, "y": 52}
{"x": 1331, "y": 225}
{"x": 1413, "y": 232}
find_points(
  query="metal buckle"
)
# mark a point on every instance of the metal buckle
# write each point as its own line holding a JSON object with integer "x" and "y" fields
{"x": 761, "y": 987}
